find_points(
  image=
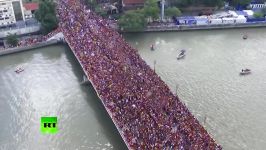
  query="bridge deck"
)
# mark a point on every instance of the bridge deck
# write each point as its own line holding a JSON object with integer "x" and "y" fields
{"x": 142, "y": 107}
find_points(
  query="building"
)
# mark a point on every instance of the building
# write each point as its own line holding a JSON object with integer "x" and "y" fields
{"x": 11, "y": 11}
{"x": 257, "y": 5}
{"x": 132, "y": 4}
{"x": 29, "y": 9}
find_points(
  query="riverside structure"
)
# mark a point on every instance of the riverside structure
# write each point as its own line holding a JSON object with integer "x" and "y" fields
{"x": 146, "y": 113}
{"x": 34, "y": 42}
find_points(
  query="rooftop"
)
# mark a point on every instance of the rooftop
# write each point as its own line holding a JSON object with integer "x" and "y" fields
{"x": 31, "y": 6}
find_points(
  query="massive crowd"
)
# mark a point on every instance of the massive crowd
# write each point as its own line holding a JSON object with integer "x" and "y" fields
{"x": 34, "y": 40}
{"x": 145, "y": 111}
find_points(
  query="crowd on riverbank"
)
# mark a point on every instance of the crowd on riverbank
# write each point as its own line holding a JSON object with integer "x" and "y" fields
{"x": 145, "y": 111}
{"x": 33, "y": 40}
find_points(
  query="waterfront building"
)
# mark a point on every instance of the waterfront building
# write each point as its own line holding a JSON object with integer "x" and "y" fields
{"x": 257, "y": 4}
{"x": 29, "y": 9}
{"x": 11, "y": 11}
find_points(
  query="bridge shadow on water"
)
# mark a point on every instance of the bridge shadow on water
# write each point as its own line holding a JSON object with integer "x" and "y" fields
{"x": 96, "y": 105}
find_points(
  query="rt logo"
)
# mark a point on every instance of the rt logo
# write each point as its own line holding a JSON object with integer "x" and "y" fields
{"x": 49, "y": 125}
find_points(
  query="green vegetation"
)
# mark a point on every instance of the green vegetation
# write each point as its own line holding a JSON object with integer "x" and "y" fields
{"x": 172, "y": 11}
{"x": 12, "y": 39}
{"x": 214, "y": 3}
{"x": 209, "y": 3}
{"x": 133, "y": 20}
{"x": 151, "y": 9}
{"x": 92, "y": 4}
{"x": 100, "y": 11}
{"x": 136, "y": 20}
{"x": 263, "y": 11}
{"x": 46, "y": 15}
{"x": 258, "y": 15}
{"x": 240, "y": 2}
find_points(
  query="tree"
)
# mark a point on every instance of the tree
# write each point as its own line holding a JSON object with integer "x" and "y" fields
{"x": 184, "y": 3}
{"x": 100, "y": 11}
{"x": 172, "y": 11}
{"x": 240, "y": 2}
{"x": 244, "y": 2}
{"x": 12, "y": 39}
{"x": 46, "y": 15}
{"x": 91, "y": 4}
{"x": 263, "y": 11}
{"x": 258, "y": 15}
{"x": 151, "y": 9}
{"x": 213, "y": 3}
{"x": 133, "y": 20}
{"x": 49, "y": 23}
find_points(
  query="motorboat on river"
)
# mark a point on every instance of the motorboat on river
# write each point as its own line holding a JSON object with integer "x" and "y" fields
{"x": 183, "y": 51}
{"x": 181, "y": 55}
{"x": 85, "y": 81}
{"x": 19, "y": 70}
{"x": 245, "y": 37}
{"x": 152, "y": 47}
{"x": 245, "y": 72}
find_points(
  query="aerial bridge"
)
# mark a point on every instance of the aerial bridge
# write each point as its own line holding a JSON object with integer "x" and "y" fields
{"x": 144, "y": 110}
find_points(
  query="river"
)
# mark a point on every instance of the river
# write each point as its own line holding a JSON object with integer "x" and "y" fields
{"x": 231, "y": 107}
{"x": 50, "y": 86}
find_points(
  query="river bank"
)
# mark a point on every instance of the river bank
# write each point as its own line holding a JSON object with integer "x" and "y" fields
{"x": 208, "y": 79}
{"x": 173, "y": 27}
{"x": 30, "y": 47}
{"x": 152, "y": 28}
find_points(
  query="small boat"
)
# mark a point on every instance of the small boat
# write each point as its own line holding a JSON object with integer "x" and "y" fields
{"x": 19, "y": 70}
{"x": 245, "y": 37}
{"x": 181, "y": 55}
{"x": 152, "y": 47}
{"x": 85, "y": 81}
{"x": 245, "y": 72}
{"x": 183, "y": 51}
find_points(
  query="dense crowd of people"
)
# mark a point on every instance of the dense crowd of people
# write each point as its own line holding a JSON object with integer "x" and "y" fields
{"x": 34, "y": 40}
{"x": 147, "y": 114}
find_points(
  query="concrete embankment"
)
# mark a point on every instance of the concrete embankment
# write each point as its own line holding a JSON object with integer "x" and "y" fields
{"x": 20, "y": 31}
{"x": 26, "y": 48}
{"x": 168, "y": 28}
